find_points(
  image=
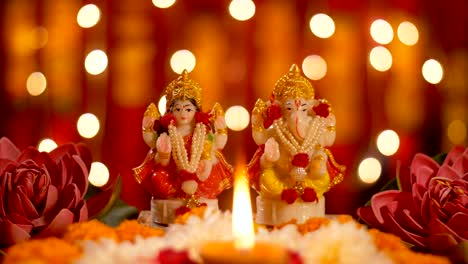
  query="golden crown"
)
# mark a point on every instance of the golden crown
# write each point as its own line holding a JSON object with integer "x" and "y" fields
{"x": 183, "y": 88}
{"x": 293, "y": 85}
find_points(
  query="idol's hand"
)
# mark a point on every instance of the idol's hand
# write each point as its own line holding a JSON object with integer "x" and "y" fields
{"x": 163, "y": 144}
{"x": 272, "y": 151}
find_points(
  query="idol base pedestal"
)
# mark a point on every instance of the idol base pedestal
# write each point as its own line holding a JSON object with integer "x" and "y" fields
{"x": 277, "y": 212}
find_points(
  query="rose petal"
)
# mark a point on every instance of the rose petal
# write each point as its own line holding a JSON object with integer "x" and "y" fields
{"x": 368, "y": 216}
{"x": 51, "y": 201}
{"x": 70, "y": 197}
{"x": 6, "y": 164}
{"x": 448, "y": 172}
{"x": 381, "y": 200}
{"x": 80, "y": 175}
{"x": 8, "y": 150}
{"x": 63, "y": 150}
{"x": 425, "y": 208}
{"x": 422, "y": 169}
{"x": 81, "y": 213}
{"x": 85, "y": 154}
{"x": 441, "y": 242}
{"x": 461, "y": 164}
{"x": 453, "y": 155}
{"x": 3, "y": 185}
{"x": 394, "y": 227}
{"x": 14, "y": 204}
{"x": 458, "y": 223}
{"x": 436, "y": 227}
{"x": 30, "y": 153}
{"x": 39, "y": 222}
{"x": 27, "y": 205}
{"x": 11, "y": 233}
{"x": 58, "y": 225}
{"x": 436, "y": 212}
{"x": 408, "y": 217}
{"x": 18, "y": 219}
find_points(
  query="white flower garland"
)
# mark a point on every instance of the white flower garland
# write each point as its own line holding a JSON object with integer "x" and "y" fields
{"x": 311, "y": 139}
{"x": 179, "y": 153}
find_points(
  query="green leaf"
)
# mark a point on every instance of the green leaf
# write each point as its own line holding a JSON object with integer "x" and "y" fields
{"x": 119, "y": 212}
{"x": 2, "y": 253}
{"x": 113, "y": 199}
{"x": 439, "y": 158}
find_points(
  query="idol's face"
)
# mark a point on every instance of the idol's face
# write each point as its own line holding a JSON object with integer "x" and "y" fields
{"x": 184, "y": 112}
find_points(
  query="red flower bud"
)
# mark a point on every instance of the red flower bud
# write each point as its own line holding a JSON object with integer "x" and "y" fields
{"x": 201, "y": 117}
{"x": 323, "y": 109}
{"x": 272, "y": 113}
{"x": 167, "y": 119}
{"x": 289, "y": 195}
{"x": 301, "y": 160}
{"x": 309, "y": 195}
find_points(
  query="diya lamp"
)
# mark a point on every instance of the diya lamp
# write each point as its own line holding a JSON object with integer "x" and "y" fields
{"x": 243, "y": 249}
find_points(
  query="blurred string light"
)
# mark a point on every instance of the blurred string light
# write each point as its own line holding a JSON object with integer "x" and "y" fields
{"x": 381, "y": 31}
{"x": 40, "y": 37}
{"x": 98, "y": 174}
{"x": 237, "y": 118}
{"x": 162, "y": 105}
{"x": 88, "y": 125}
{"x": 47, "y": 145}
{"x": 163, "y": 3}
{"x": 369, "y": 170}
{"x": 456, "y": 132}
{"x": 314, "y": 67}
{"x": 88, "y": 16}
{"x": 380, "y": 58}
{"x": 408, "y": 33}
{"x": 242, "y": 10}
{"x": 432, "y": 71}
{"x": 96, "y": 62}
{"x": 183, "y": 60}
{"x": 36, "y": 83}
{"x": 322, "y": 25}
{"x": 388, "y": 142}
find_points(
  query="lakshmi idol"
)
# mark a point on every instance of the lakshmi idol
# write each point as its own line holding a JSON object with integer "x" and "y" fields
{"x": 184, "y": 167}
{"x": 292, "y": 168}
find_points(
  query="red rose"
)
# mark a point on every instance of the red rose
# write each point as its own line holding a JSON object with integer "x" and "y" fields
{"x": 201, "y": 117}
{"x": 309, "y": 195}
{"x": 322, "y": 109}
{"x": 431, "y": 209}
{"x": 167, "y": 119}
{"x": 289, "y": 195}
{"x": 41, "y": 193}
{"x": 301, "y": 160}
{"x": 273, "y": 113}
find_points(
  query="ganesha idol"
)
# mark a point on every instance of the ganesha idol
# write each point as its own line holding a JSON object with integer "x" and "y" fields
{"x": 292, "y": 167}
{"x": 184, "y": 167}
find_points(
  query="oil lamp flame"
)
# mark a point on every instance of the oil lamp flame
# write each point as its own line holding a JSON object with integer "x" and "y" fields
{"x": 242, "y": 221}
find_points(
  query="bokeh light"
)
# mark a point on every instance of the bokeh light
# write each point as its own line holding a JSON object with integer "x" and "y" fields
{"x": 380, "y": 58}
{"x": 237, "y": 118}
{"x": 388, "y": 142}
{"x": 36, "y": 83}
{"x": 163, "y": 3}
{"x": 88, "y": 125}
{"x": 408, "y": 33}
{"x": 98, "y": 174}
{"x": 456, "y": 132}
{"x": 369, "y": 170}
{"x": 432, "y": 71}
{"x": 96, "y": 62}
{"x": 47, "y": 145}
{"x": 381, "y": 31}
{"x": 242, "y": 10}
{"x": 162, "y": 105}
{"x": 88, "y": 16}
{"x": 183, "y": 60}
{"x": 314, "y": 67}
{"x": 322, "y": 25}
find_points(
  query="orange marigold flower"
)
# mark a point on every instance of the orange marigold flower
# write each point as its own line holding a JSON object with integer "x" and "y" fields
{"x": 312, "y": 224}
{"x": 48, "y": 250}
{"x": 91, "y": 230}
{"x": 128, "y": 230}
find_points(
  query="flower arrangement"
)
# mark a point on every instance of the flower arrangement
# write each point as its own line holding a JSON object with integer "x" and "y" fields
{"x": 430, "y": 207}
{"x": 42, "y": 193}
{"x": 181, "y": 243}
